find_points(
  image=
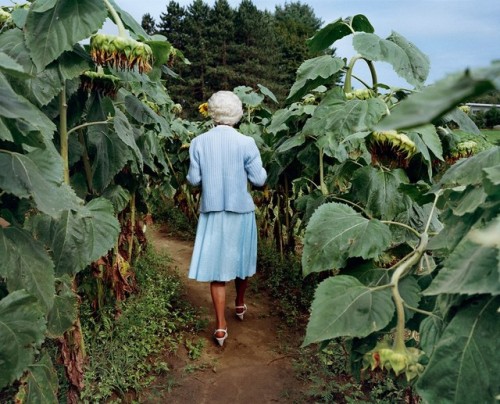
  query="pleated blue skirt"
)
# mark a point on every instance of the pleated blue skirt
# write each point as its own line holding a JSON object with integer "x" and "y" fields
{"x": 225, "y": 247}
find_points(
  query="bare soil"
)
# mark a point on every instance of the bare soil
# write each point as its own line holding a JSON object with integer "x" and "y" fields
{"x": 253, "y": 366}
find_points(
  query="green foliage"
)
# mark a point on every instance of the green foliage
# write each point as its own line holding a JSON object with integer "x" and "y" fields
{"x": 282, "y": 279}
{"x": 229, "y": 47}
{"x": 415, "y": 248}
{"x": 54, "y": 221}
{"x": 124, "y": 353}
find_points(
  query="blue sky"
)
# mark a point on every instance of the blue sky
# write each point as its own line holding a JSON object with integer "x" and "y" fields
{"x": 455, "y": 34}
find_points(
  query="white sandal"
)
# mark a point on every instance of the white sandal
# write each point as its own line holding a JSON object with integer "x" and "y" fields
{"x": 221, "y": 339}
{"x": 240, "y": 315}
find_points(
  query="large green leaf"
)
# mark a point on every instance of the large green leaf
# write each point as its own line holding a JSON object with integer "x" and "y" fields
{"x": 313, "y": 73}
{"x": 410, "y": 292}
{"x": 465, "y": 171}
{"x": 22, "y": 329}
{"x": 377, "y": 190}
{"x": 470, "y": 269}
{"x": 434, "y": 101}
{"x": 281, "y": 118}
{"x": 26, "y": 265}
{"x": 463, "y": 121}
{"x": 37, "y": 175}
{"x": 337, "y": 232}
{"x": 65, "y": 309}
{"x": 111, "y": 155}
{"x": 119, "y": 197}
{"x": 79, "y": 237}
{"x": 467, "y": 200}
{"x": 431, "y": 139}
{"x": 13, "y": 105}
{"x": 431, "y": 329}
{"x": 465, "y": 365}
{"x": 455, "y": 229}
{"x": 40, "y": 384}
{"x": 125, "y": 132}
{"x": 153, "y": 151}
{"x": 338, "y": 29}
{"x": 342, "y": 118}
{"x": 12, "y": 44}
{"x": 54, "y": 28}
{"x": 416, "y": 64}
{"x": 39, "y": 87}
{"x": 10, "y": 66}
{"x": 297, "y": 140}
{"x": 343, "y": 306}
{"x": 407, "y": 60}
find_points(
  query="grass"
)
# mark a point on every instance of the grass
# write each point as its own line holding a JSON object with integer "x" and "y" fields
{"x": 124, "y": 354}
{"x": 492, "y": 135}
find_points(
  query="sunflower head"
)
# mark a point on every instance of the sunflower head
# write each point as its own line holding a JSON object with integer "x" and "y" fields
{"x": 120, "y": 53}
{"x": 104, "y": 84}
{"x": 203, "y": 109}
{"x": 391, "y": 149}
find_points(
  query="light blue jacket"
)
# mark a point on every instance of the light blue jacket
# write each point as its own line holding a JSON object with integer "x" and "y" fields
{"x": 223, "y": 160}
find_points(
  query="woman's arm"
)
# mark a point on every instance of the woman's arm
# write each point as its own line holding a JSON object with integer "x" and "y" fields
{"x": 194, "y": 173}
{"x": 257, "y": 175}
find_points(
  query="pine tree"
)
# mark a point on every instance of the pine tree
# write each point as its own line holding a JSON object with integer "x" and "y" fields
{"x": 255, "y": 55}
{"x": 149, "y": 24}
{"x": 220, "y": 74}
{"x": 295, "y": 23}
{"x": 172, "y": 25}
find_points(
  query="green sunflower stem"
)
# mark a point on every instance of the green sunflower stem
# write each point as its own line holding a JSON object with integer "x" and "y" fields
{"x": 399, "y": 339}
{"x": 63, "y": 132}
{"x": 116, "y": 18}
{"x": 349, "y": 75}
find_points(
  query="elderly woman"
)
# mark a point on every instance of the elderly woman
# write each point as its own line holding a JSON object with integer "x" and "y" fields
{"x": 223, "y": 160}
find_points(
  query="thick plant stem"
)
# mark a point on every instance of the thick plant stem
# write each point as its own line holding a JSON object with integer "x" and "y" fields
{"x": 116, "y": 18}
{"x": 132, "y": 228}
{"x": 399, "y": 341}
{"x": 322, "y": 184}
{"x": 349, "y": 75}
{"x": 72, "y": 344}
{"x": 86, "y": 163}
{"x": 63, "y": 132}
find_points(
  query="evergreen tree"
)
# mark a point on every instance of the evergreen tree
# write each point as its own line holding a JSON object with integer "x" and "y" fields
{"x": 172, "y": 25}
{"x": 149, "y": 24}
{"x": 295, "y": 23}
{"x": 220, "y": 74}
{"x": 230, "y": 47}
{"x": 197, "y": 49}
{"x": 256, "y": 53}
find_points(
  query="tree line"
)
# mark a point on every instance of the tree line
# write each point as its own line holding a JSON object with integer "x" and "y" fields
{"x": 225, "y": 47}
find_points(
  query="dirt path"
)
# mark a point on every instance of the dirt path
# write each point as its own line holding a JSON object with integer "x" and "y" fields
{"x": 249, "y": 368}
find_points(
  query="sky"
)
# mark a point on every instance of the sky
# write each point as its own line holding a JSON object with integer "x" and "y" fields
{"x": 454, "y": 34}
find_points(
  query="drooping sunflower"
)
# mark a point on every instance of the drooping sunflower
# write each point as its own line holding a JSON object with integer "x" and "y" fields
{"x": 203, "y": 109}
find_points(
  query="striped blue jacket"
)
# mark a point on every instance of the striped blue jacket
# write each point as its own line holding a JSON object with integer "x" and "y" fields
{"x": 223, "y": 160}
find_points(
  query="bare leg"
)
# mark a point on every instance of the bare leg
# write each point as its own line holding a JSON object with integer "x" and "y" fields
{"x": 241, "y": 287}
{"x": 218, "y": 291}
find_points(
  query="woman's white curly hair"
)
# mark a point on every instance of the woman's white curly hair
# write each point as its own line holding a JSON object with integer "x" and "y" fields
{"x": 225, "y": 108}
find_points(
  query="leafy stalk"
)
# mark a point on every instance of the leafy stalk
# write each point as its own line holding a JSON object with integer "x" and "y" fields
{"x": 349, "y": 75}
{"x": 86, "y": 163}
{"x": 324, "y": 189}
{"x": 63, "y": 132}
{"x": 399, "y": 344}
{"x": 132, "y": 227}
